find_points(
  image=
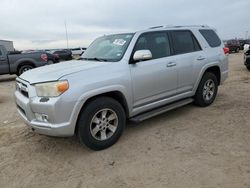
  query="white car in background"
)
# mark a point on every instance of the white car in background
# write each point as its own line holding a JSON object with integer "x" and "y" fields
{"x": 78, "y": 51}
{"x": 246, "y": 47}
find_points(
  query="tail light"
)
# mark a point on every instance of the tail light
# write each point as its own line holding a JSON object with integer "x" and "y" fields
{"x": 226, "y": 50}
{"x": 44, "y": 57}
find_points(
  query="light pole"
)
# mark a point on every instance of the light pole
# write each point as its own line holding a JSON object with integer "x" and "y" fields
{"x": 66, "y": 32}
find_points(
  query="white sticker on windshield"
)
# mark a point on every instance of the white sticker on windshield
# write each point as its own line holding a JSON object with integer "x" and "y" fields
{"x": 119, "y": 42}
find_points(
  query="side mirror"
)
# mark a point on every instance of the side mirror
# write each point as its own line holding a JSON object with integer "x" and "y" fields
{"x": 142, "y": 55}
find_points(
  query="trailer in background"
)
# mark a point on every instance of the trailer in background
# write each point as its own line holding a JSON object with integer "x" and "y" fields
{"x": 7, "y": 44}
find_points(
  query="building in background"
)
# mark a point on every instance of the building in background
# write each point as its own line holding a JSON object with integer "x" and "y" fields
{"x": 7, "y": 44}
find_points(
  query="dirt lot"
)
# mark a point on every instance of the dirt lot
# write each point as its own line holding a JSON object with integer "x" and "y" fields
{"x": 187, "y": 147}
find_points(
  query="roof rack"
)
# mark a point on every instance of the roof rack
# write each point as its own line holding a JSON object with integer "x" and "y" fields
{"x": 178, "y": 26}
{"x": 155, "y": 27}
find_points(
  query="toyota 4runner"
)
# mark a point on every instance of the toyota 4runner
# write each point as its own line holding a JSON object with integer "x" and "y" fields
{"x": 120, "y": 77}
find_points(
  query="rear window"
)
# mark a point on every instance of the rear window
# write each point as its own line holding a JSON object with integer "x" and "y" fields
{"x": 211, "y": 37}
{"x": 184, "y": 42}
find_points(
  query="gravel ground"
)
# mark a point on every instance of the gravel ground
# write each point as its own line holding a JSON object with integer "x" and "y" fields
{"x": 187, "y": 147}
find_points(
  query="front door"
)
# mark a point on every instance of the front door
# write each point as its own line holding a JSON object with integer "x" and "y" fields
{"x": 153, "y": 79}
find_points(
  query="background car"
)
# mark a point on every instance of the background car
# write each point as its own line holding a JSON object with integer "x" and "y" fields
{"x": 63, "y": 54}
{"x": 233, "y": 45}
{"x": 243, "y": 43}
{"x": 78, "y": 51}
{"x": 52, "y": 58}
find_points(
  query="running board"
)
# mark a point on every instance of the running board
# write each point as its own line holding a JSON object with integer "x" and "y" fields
{"x": 161, "y": 110}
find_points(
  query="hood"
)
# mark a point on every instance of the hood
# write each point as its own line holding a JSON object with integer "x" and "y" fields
{"x": 56, "y": 71}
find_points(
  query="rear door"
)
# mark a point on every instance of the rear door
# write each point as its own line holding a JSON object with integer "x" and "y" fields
{"x": 187, "y": 55}
{"x": 4, "y": 65}
{"x": 154, "y": 79}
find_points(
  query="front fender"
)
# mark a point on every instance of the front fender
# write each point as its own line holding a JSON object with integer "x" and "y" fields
{"x": 99, "y": 91}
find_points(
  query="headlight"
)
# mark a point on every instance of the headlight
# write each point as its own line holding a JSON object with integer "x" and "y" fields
{"x": 51, "y": 89}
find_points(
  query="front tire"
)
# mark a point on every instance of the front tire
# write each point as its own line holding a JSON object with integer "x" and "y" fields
{"x": 101, "y": 123}
{"x": 207, "y": 90}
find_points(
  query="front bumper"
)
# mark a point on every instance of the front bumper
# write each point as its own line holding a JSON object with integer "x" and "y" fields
{"x": 59, "y": 122}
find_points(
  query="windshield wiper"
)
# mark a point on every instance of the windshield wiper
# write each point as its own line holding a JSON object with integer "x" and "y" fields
{"x": 94, "y": 59}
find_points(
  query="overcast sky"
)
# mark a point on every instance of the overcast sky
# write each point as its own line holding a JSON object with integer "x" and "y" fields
{"x": 37, "y": 24}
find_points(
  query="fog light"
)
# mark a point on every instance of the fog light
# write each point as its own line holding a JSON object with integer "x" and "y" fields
{"x": 42, "y": 117}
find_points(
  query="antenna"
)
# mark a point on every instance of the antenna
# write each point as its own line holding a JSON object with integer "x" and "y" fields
{"x": 66, "y": 32}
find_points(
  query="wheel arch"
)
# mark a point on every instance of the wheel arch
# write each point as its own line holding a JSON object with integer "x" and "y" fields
{"x": 216, "y": 71}
{"x": 214, "y": 68}
{"x": 25, "y": 63}
{"x": 117, "y": 95}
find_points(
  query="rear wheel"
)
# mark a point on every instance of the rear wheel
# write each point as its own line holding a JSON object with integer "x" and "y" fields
{"x": 101, "y": 123}
{"x": 207, "y": 90}
{"x": 24, "y": 68}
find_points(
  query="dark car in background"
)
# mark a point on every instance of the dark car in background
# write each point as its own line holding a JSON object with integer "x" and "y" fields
{"x": 233, "y": 45}
{"x": 63, "y": 54}
{"x": 243, "y": 42}
{"x": 247, "y": 59}
{"x": 52, "y": 58}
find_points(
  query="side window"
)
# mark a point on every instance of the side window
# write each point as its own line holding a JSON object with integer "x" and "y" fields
{"x": 211, "y": 37}
{"x": 1, "y": 52}
{"x": 156, "y": 42}
{"x": 184, "y": 42}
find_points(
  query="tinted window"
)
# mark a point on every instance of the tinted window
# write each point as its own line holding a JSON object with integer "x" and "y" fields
{"x": 157, "y": 43}
{"x": 211, "y": 37}
{"x": 60, "y": 52}
{"x": 184, "y": 42}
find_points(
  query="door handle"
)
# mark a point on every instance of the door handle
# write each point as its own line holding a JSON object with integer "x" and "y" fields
{"x": 171, "y": 64}
{"x": 200, "y": 58}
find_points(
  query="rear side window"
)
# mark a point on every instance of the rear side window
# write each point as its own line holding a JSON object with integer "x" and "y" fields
{"x": 184, "y": 42}
{"x": 211, "y": 37}
{"x": 156, "y": 42}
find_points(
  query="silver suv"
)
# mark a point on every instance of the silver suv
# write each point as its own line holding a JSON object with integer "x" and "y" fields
{"x": 131, "y": 76}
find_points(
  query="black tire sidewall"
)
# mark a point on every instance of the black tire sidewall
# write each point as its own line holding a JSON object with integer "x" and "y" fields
{"x": 199, "y": 99}
{"x": 20, "y": 71}
{"x": 86, "y": 116}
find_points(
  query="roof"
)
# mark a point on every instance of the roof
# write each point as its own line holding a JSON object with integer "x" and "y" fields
{"x": 6, "y": 40}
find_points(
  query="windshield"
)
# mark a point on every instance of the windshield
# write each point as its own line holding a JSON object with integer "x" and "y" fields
{"x": 108, "y": 48}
